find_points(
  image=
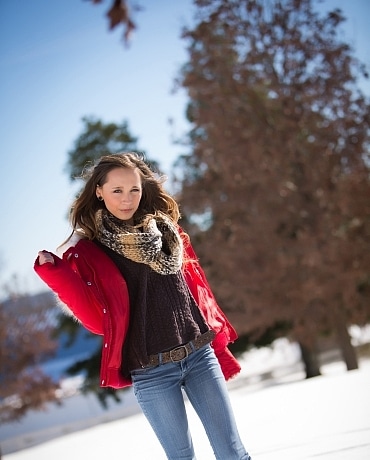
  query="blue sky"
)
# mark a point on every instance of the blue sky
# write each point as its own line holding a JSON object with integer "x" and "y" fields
{"x": 58, "y": 63}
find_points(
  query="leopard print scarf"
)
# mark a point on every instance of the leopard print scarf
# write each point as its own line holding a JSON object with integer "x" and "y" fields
{"x": 154, "y": 241}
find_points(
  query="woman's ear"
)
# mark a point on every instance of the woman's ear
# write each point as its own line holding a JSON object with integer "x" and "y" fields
{"x": 98, "y": 193}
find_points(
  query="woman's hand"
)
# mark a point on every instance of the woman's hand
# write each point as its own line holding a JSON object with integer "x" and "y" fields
{"x": 45, "y": 257}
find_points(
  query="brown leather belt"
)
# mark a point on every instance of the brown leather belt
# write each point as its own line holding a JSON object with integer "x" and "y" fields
{"x": 181, "y": 352}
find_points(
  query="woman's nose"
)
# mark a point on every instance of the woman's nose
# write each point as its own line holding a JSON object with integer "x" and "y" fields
{"x": 126, "y": 198}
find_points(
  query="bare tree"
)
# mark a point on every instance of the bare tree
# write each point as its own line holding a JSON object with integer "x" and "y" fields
{"x": 25, "y": 335}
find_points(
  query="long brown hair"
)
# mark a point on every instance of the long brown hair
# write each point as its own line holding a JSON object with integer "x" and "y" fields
{"x": 154, "y": 197}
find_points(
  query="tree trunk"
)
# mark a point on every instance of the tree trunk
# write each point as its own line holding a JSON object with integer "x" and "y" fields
{"x": 309, "y": 358}
{"x": 344, "y": 342}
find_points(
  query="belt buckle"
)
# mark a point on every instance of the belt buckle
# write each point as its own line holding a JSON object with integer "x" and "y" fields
{"x": 174, "y": 350}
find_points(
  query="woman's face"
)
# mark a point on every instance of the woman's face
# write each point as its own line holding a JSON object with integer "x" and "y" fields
{"x": 121, "y": 193}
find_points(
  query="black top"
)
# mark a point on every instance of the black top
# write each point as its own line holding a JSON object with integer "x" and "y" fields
{"x": 163, "y": 312}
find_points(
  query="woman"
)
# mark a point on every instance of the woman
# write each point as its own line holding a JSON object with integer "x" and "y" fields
{"x": 129, "y": 273}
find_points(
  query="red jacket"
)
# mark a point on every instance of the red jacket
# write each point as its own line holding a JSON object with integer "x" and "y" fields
{"x": 93, "y": 289}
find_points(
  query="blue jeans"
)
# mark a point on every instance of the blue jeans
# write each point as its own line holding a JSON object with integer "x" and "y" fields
{"x": 159, "y": 393}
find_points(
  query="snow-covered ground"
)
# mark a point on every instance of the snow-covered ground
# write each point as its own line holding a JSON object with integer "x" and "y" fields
{"x": 280, "y": 416}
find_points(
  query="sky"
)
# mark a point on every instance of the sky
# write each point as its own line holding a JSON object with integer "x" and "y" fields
{"x": 59, "y": 63}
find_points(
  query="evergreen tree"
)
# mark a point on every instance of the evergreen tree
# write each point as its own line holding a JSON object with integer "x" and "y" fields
{"x": 97, "y": 139}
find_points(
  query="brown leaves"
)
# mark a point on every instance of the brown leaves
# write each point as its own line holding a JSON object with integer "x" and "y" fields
{"x": 119, "y": 13}
{"x": 285, "y": 187}
{"x": 25, "y": 336}
{"x": 31, "y": 390}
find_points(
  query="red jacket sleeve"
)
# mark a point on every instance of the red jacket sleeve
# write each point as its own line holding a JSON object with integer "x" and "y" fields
{"x": 78, "y": 295}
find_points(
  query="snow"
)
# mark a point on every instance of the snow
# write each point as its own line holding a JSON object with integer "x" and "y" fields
{"x": 280, "y": 415}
